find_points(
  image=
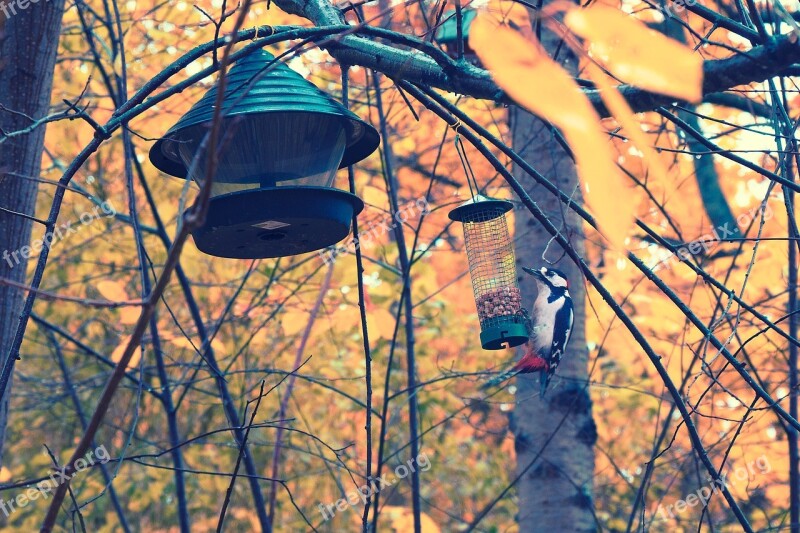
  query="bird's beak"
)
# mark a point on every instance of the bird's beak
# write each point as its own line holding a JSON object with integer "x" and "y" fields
{"x": 533, "y": 272}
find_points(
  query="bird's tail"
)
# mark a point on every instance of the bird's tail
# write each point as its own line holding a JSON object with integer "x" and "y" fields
{"x": 544, "y": 380}
{"x": 500, "y": 378}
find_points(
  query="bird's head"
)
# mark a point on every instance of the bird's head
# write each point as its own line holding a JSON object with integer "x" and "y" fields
{"x": 549, "y": 277}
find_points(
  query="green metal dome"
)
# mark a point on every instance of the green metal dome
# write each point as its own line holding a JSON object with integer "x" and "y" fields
{"x": 279, "y": 91}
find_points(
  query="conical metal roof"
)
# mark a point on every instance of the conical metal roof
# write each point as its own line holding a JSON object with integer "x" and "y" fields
{"x": 281, "y": 90}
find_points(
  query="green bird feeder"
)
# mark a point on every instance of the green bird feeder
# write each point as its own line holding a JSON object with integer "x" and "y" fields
{"x": 493, "y": 270}
{"x": 281, "y": 143}
{"x": 447, "y": 34}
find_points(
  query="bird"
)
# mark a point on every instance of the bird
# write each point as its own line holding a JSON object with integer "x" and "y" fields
{"x": 553, "y": 319}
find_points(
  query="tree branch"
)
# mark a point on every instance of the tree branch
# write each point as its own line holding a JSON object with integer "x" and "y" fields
{"x": 756, "y": 65}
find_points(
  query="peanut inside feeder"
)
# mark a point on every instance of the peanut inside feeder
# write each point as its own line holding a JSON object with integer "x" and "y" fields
{"x": 493, "y": 271}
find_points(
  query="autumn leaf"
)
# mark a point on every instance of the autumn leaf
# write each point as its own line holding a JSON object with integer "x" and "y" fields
{"x": 184, "y": 343}
{"x": 129, "y": 315}
{"x": 116, "y": 355}
{"x": 374, "y": 196}
{"x": 402, "y": 519}
{"x": 512, "y": 14}
{"x": 381, "y": 323}
{"x": 525, "y": 72}
{"x": 113, "y": 291}
{"x": 621, "y": 111}
{"x": 636, "y": 54}
{"x": 294, "y": 322}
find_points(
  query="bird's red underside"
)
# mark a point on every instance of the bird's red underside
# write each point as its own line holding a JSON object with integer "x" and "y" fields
{"x": 531, "y": 362}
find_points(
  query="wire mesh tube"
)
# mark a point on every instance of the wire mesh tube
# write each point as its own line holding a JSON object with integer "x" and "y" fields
{"x": 493, "y": 271}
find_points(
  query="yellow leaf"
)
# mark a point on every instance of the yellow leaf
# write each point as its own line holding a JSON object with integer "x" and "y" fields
{"x": 605, "y": 189}
{"x": 5, "y": 475}
{"x": 402, "y": 520}
{"x": 525, "y": 72}
{"x": 182, "y": 342}
{"x": 620, "y": 109}
{"x": 510, "y": 13}
{"x": 113, "y": 291}
{"x": 380, "y": 323}
{"x": 635, "y": 54}
{"x": 218, "y": 346}
{"x": 116, "y": 356}
{"x": 533, "y": 80}
{"x": 374, "y": 196}
{"x": 294, "y": 322}
{"x": 129, "y": 315}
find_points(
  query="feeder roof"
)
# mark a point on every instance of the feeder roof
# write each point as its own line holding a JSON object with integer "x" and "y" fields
{"x": 448, "y": 31}
{"x": 480, "y": 205}
{"x": 280, "y": 90}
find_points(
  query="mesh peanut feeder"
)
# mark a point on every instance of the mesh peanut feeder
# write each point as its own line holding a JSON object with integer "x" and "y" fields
{"x": 493, "y": 271}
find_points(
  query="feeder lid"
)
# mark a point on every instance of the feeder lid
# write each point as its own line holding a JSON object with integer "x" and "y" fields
{"x": 281, "y": 90}
{"x": 480, "y": 205}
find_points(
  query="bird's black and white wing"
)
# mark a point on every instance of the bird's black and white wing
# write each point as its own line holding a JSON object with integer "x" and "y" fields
{"x": 563, "y": 323}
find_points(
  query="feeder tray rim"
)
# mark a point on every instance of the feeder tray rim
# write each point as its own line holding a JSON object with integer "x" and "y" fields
{"x": 291, "y": 192}
{"x": 479, "y": 204}
{"x": 502, "y": 336}
{"x": 247, "y": 210}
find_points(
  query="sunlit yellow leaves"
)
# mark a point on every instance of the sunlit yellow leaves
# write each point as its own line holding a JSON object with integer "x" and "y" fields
{"x": 112, "y": 290}
{"x": 526, "y": 73}
{"x": 294, "y": 322}
{"x": 182, "y": 342}
{"x": 116, "y": 356}
{"x": 5, "y": 475}
{"x": 524, "y": 70}
{"x": 402, "y": 520}
{"x": 380, "y": 323}
{"x": 636, "y": 54}
{"x": 620, "y": 109}
{"x": 374, "y": 196}
{"x": 115, "y": 291}
{"x": 512, "y": 14}
{"x": 129, "y": 315}
{"x": 405, "y": 146}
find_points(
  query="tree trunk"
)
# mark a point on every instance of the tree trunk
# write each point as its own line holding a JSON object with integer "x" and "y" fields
{"x": 555, "y": 492}
{"x": 28, "y": 45}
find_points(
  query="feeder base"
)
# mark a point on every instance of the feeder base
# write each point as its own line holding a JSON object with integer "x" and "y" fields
{"x": 504, "y": 336}
{"x": 276, "y": 222}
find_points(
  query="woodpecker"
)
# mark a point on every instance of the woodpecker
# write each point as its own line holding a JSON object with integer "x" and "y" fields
{"x": 552, "y": 327}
